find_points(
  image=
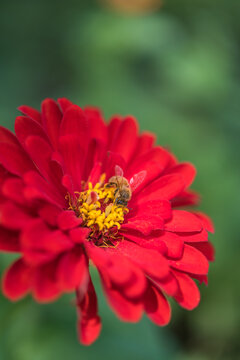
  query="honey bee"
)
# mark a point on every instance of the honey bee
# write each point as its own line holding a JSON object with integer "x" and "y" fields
{"x": 124, "y": 189}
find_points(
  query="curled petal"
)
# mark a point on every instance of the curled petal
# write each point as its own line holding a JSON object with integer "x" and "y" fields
{"x": 156, "y": 306}
{"x": 188, "y": 295}
{"x": 125, "y": 309}
{"x": 17, "y": 280}
{"x": 125, "y": 276}
{"x": 89, "y": 323}
{"x": 206, "y": 221}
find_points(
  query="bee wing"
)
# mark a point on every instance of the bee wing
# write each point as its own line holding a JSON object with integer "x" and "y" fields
{"x": 118, "y": 171}
{"x": 137, "y": 179}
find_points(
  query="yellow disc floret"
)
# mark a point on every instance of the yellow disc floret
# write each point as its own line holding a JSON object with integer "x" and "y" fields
{"x": 96, "y": 206}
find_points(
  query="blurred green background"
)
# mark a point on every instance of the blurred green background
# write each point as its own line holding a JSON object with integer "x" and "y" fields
{"x": 177, "y": 70}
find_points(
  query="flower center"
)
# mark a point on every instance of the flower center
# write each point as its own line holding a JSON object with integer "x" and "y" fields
{"x": 97, "y": 207}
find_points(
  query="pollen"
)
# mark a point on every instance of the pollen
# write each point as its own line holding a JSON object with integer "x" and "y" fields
{"x": 99, "y": 212}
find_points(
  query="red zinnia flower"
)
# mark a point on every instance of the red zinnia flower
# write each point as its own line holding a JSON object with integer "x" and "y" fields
{"x": 74, "y": 189}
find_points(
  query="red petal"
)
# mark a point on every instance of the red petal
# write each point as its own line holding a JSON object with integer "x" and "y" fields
{"x": 188, "y": 296}
{"x": 136, "y": 286}
{"x": 206, "y": 221}
{"x": 153, "y": 162}
{"x": 150, "y": 261}
{"x": 168, "y": 285}
{"x": 14, "y": 159}
{"x": 73, "y": 154}
{"x": 89, "y": 323}
{"x": 64, "y": 104}
{"x": 145, "y": 142}
{"x": 166, "y": 187}
{"x": 144, "y": 224}
{"x": 111, "y": 262}
{"x": 152, "y": 242}
{"x": 74, "y": 122}
{"x": 49, "y": 214}
{"x": 207, "y": 249}
{"x": 45, "y": 284}
{"x": 186, "y": 198}
{"x": 49, "y": 168}
{"x": 40, "y": 151}
{"x": 125, "y": 309}
{"x": 161, "y": 208}
{"x": 156, "y": 306}
{"x": 173, "y": 243}
{"x": 126, "y": 138}
{"x": 113, "y": 129}
{"x": 192, "y": 261}
{"x": 79, "y": 235}
{"x": 95, "y": 173}
{"x": 51, "y": 118}
{"x": 16, "y": 280}
{"x": 13, "y": 189}
{"x": 39, "y": 238}
{"x": 72, "y": 269}
{"x": 7, "y": 137}
{"x": 38, "y": 188}
{"x": 68, "y": 220}
{"x": 128, "y": 278}
{"x": 111, "y": 159}
{"x": 98, "y": 128}
{"x": 25, "y": 127}
{"x": 9, "y": 240}
{"x": 187, "y": 170}
{"x": 30, "y": 112}
{"x": 183, "y": 221}
{"x": 201, "y": 278}
{"x": 194, "y": 237}
{"x": 95, "y": 154}
{"x": 13, "y": 217}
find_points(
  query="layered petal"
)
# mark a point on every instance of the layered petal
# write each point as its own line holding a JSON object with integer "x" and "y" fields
{"x": 156, "y": 306}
